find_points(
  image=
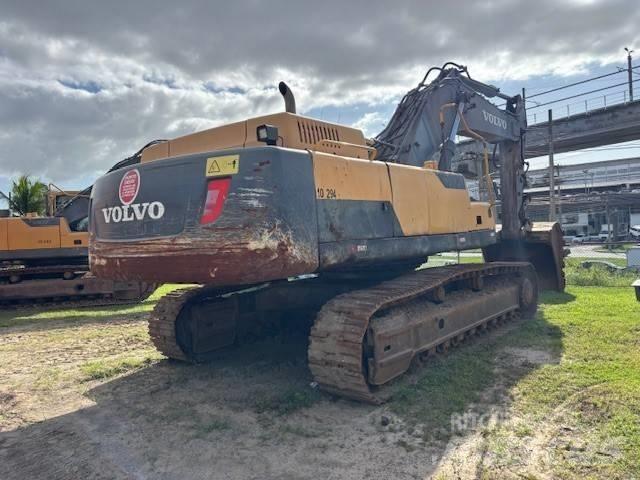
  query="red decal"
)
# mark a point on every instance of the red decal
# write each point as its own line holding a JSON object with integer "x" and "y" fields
{"x": 129, "y": 186}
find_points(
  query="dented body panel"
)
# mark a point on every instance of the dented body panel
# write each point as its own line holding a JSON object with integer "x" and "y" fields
{"x": 267, "y": 228}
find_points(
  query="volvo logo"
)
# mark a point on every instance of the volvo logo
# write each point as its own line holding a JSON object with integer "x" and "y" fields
{"x": 135, "y": 211}
{"x": 494, "y": 120}
{"x": 129, "y": 211}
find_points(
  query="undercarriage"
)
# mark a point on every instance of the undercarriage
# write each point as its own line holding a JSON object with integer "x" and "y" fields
{"x": 68, "y": 284}
{"x": 365, "y": 332}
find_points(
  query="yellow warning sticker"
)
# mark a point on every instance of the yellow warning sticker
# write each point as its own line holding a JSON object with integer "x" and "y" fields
{"x": 221, "y": 166}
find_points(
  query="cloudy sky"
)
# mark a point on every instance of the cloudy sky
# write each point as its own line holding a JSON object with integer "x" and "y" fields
{"x": 85, "y": 83}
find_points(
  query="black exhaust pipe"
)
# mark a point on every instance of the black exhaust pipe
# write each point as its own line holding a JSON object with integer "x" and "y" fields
{"x": 289, "y": 99}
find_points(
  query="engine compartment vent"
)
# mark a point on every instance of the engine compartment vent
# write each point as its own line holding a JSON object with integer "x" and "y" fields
{"x": 314, "y": 132}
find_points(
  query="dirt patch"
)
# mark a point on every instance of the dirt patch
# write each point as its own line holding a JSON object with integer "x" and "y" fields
{"x": 251, "y": 414}
{"x": 530, "y": 355}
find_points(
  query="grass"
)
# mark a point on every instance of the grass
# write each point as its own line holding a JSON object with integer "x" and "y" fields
{"x": 597, "y": 275}
{"x": 107, "y": 368}
{"x": 592, "y": 389}
{"x": 620, "y": 262}
{"x": 600, "y": 336}
{"x": 449, "y": 384}
{"x": 16, "y": 317}
{"x": 438, "y": 260}
{"x": 617, "y": 248}
{"x": 597, "y": 381}
{"x": 66, "y": 348}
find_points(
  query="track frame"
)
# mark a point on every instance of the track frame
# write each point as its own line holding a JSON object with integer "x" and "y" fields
{"x": 337, "y": 350}
{"x": 346, "y": 312}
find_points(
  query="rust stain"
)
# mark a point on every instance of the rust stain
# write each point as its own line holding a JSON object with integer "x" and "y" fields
{"x": 230, "y": 257}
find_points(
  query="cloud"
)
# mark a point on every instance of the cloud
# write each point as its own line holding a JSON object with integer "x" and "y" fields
{"x": 371, "y": 123}
{"x": 83, "y": 84}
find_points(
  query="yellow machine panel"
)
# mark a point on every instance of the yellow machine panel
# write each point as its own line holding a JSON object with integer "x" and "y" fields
{"x": 4, "y": 235}
{"x": 348, "y": 179}
{"x": 295, "y": 131}
{"x": 39, "y": 233}
{"x": 27, "y": 236}
{"x": 69, "y": 238}
{"x": 229, "y": 136}
{"x": 418, "y": 200}
{"x": 416, "y": 194}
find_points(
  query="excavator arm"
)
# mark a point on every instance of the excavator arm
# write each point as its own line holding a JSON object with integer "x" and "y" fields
{"x": 425, "y": 126}
{"x": 429, "y": 117}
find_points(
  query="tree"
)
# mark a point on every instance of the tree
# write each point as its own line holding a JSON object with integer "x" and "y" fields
{"x": 28, "y": 195}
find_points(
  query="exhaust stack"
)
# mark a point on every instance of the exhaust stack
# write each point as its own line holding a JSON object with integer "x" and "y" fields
{"x": 289, "y": 99}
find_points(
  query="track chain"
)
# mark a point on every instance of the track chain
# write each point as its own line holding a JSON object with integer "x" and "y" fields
{"x": 336, "y": 340}
{"x": 26, "y": 271}
{"x": 162, "y": 321}
{"x": 31, "y": 273}
{"x": 79, "y": 301}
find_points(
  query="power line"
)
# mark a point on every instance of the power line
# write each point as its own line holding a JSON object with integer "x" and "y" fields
{"x": 581, "y": 82}
{"x": 583, "y": 93}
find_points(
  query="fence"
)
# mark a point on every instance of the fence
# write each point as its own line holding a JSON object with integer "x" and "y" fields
{"x": 571, "y": 99}
{"x": 537, "y": 115}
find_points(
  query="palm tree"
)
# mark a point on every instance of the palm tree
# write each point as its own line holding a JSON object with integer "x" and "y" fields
{"x": 28, "y": 195}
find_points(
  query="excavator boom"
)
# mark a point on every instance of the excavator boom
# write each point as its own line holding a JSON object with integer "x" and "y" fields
{"x": 425, "y": 125}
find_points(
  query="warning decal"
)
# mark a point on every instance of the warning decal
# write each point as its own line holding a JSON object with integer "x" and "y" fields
{"x": 222, "y": 166}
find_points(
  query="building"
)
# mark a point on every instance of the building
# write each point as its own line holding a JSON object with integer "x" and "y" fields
{"x": 607, "y": 175}
{"x": 589, "y": 197}
{"x": 588, "y": 214}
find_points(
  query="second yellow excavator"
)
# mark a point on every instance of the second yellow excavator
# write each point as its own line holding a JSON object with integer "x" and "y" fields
{"x": 44, "y": 258}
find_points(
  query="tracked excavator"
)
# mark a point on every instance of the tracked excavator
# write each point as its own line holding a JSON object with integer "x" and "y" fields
{"x": 283, "y": 214}
{"x": 44, "y": 259}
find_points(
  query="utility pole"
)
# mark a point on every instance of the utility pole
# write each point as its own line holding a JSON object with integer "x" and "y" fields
{"x": 552, "y": 186}
{"x": 608, "y": 221}
{"x": 559, "y": 196}
{"x": 630, "y": 72}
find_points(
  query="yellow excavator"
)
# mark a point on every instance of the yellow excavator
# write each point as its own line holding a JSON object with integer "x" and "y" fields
{"x": 44, "y": 259}
{"x": 283, "y": 213}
